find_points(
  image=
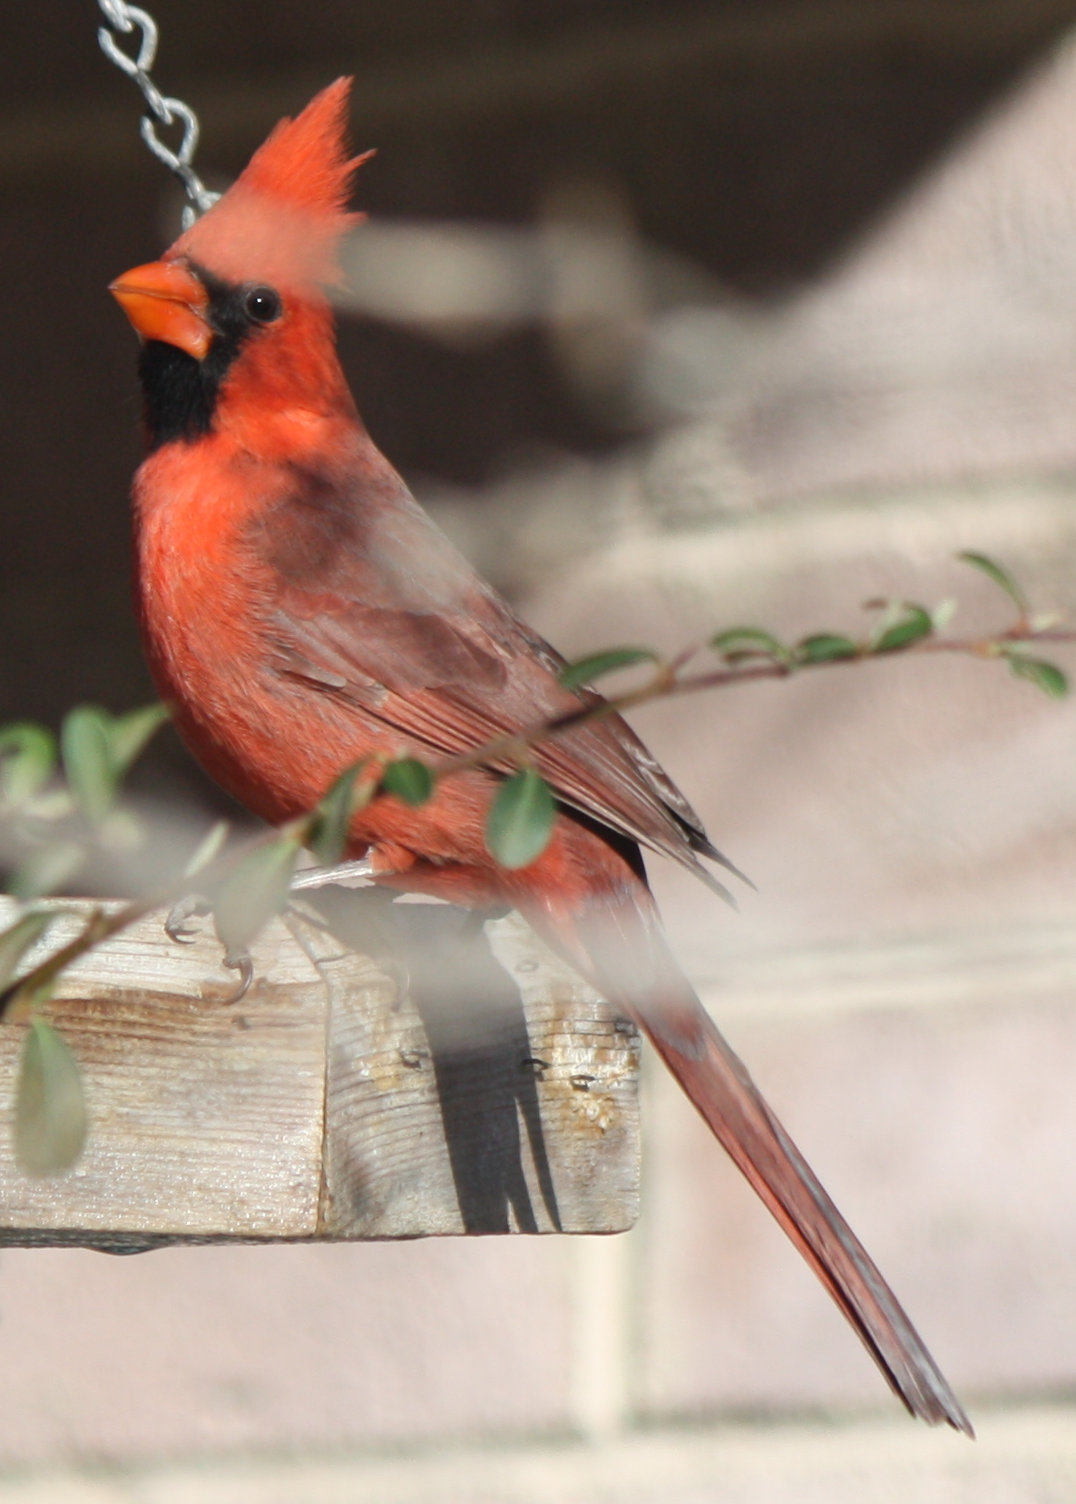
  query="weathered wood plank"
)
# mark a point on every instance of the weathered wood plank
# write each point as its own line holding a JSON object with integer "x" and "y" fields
{"x": 441, "y": 1093}
{"x": 518, "y": 1102}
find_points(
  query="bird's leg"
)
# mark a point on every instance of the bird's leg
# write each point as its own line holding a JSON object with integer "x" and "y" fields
{"x": 309, "y": 878}
{"x": 342, "y": 872}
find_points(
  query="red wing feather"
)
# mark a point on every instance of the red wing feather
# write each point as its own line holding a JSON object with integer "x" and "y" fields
{"x": 401, "y": 624}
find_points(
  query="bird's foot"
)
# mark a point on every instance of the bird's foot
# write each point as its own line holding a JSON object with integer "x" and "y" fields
{"x": 178, "y": 928}
{"x": 176, "y": 925}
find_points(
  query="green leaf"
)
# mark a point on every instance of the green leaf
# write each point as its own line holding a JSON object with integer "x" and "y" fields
{"x": 208, "y": 848}
{"x": 121, "y": 830}
{"x": 46, "y": 869}
{"x": 520, "y": 821}
{"x": 50, "y": 1108}
{"x": 27, "y": 761}
{"x": 51, "y": 804}
{"x": 128, "y": 734}
{"x": 255, "y": 890}
{"x": 596, "y": 665}
{"x": 1045, "y": 676}
{"x": 98, "y": 749}
{"x": 327, "y": 834}
{"x": 17, "y": 939}
{"x": 737, "y": 643}
{"x": 1045, "y": 621}
{"x": 915, "y": 624}
{"x": 410, "y": 780}
{"x": 1001, "y": 577}
{"x": 87, "y": 753}
{"x": 942, "y": 614}
{"x": 824, "y": 647}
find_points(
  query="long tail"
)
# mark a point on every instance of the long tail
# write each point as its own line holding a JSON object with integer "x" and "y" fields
{"x": 647, "y": 985}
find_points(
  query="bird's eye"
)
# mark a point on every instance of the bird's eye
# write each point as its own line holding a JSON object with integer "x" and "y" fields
{"x": 262, "y": 304}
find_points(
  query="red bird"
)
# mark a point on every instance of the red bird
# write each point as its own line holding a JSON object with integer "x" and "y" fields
{"x": 301, "y": 611}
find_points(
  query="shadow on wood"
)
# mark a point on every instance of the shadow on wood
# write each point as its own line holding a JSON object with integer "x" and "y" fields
{"x": 486, "y": 1073}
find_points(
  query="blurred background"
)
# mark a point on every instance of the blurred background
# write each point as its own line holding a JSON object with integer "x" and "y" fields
{"x": 677, "y": 316}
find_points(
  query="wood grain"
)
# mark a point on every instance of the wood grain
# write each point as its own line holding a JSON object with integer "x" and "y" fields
{"x": 450, "y": 1086}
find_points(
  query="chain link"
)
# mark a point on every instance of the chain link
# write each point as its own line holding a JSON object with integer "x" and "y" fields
{"x": 160, "y": 109}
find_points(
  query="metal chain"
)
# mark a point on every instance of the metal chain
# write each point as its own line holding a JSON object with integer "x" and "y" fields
{"x": 125, "y": 19}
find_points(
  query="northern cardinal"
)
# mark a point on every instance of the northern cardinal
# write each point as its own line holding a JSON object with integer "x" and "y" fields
{"x": 300, "y": 611}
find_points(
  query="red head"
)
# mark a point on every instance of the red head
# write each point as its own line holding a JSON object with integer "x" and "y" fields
{"x": 234, "y": 317}
{"x": 281, "y": 220}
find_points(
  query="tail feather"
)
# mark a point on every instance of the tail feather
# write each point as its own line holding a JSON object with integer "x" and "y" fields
{"x": 723, "y": 1092}
{"x": 652, "y": 990}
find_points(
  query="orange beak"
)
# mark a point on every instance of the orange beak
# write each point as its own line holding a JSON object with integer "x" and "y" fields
{"x": 165, "y": 301}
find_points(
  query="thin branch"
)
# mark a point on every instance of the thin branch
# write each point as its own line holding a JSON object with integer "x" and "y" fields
{"x": 511, "y": 747}
{"x": 666, "y": 685}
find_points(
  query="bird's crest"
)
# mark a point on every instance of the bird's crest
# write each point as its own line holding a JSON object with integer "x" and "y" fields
{"x": 281, "y": 220}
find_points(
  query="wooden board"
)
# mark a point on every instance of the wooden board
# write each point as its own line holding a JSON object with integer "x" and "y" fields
{"x": 432, "y": 1091}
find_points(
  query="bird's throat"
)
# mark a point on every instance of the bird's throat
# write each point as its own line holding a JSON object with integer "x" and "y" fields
{"x": 180, "y": 394}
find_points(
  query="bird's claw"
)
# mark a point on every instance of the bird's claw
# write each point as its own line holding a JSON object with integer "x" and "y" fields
{"x": 191, "y": 907}
{"x": 243, "y": 963}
